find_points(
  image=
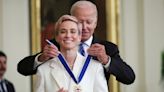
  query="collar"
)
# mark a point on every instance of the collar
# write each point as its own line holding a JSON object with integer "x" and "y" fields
{"x": 89, "y": 41}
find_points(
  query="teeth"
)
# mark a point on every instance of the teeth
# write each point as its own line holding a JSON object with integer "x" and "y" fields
{"x": 67, "y": 41}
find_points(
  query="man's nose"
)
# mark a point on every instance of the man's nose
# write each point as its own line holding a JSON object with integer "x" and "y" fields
{"x": 84, "y": 25}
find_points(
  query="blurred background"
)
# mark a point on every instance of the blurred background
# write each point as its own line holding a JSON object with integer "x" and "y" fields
{"x": 141, "y": 41}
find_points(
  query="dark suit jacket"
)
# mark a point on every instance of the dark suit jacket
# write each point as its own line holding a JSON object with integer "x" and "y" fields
{"x": 9, "y": 86}
{"x": 118, "y": 67}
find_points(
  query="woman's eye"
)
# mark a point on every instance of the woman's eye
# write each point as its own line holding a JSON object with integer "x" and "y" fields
{"x": 62, "y": 31}
{"x": 73, "y": 31}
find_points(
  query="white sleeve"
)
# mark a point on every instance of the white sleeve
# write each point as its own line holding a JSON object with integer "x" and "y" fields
{"x": 39, "y": 87}
{"x": 100, "y": 84}
{"x": 107, "y": 65}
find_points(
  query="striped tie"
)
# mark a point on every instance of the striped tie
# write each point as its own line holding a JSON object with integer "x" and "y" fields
{"x": 81, "y": 49}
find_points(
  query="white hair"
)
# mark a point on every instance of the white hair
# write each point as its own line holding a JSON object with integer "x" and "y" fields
{"x": 83, "y": 4}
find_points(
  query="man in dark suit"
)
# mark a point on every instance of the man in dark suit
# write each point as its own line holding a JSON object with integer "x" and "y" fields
{"x": 105, "y": 52}
{"x": 5, "y": 85}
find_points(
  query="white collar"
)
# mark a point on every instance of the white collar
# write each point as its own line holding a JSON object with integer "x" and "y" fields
{"x": 89, "y": 41}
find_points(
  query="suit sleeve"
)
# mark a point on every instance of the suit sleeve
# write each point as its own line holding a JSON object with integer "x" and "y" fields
{"x": 122, "y": 71}
{"x": 26, "y": 66}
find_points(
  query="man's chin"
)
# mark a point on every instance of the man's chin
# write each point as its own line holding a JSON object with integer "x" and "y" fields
{"x": 84, "y": 39}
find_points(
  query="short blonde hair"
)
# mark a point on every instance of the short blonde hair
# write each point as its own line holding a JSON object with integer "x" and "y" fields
{"x": 67, "y": 18}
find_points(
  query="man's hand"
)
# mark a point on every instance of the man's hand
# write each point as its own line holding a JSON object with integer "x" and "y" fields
{"x": 49, "y": 51}
{"x": 98, "y": 50}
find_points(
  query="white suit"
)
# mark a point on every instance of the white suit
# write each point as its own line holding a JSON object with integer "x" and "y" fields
{"x": 52, "y": 75}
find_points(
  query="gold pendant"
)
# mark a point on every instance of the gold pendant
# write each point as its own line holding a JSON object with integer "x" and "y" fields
{"x": 77, "y": 88}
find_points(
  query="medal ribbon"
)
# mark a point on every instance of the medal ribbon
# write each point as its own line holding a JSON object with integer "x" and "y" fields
{"x": 63, "y": 61}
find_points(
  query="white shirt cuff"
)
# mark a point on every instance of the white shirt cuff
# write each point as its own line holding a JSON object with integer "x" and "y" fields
{"x": 36, "y": 62}
{"x": 107, "y": 65}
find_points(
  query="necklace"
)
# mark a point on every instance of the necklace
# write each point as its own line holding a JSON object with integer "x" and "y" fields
{"x": 71, "y": 66}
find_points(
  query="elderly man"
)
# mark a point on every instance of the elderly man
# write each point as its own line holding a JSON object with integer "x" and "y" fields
{"x": 105, "y": 52}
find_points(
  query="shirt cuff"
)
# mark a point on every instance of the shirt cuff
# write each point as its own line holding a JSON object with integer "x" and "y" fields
{"x": 36, "y": 62}
{"x": 107, "y": 65}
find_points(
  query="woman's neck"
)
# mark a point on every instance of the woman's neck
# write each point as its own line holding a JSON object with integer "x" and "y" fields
{"x": 70, "y": 56}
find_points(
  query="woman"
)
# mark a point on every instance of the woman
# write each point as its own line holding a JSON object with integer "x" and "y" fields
{"x": 70, "y": 71}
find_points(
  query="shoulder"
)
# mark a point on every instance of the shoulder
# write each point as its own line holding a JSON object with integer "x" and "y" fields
{"x": 107, "y": 44}
{"x": 104, "y": 42}
{"x": 47, "y": 64}
{"x": 8, "y": 82}
{"x": 111, "y": 48}
{"x": 95, "y": 64}
{"x": 10, "y": 86}
{"x": 95, "y": 68}
{"x": 53, "y": 63}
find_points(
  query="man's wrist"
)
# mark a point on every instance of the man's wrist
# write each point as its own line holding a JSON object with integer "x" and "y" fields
{"x": 40, "y": 58}
{"x": 107, "y": 64}
{"x": 37, "y": 62}
{"x": 106, "y": 60}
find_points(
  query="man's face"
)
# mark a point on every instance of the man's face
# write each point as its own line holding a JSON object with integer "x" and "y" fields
{"x": 2, "y": 66}
{"x": 87, "y": 16}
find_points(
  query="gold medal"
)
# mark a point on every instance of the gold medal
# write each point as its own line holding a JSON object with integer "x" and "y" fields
{"x": 77, "y": 88}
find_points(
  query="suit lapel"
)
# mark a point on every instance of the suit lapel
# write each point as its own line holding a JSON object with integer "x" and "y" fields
{"x": 9, "y": 86}
{"x": 95, "y": 40}
{"x": 58, "y": 73}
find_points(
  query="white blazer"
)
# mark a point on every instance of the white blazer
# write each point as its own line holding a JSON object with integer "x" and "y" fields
{"x": 52, "y": 75}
